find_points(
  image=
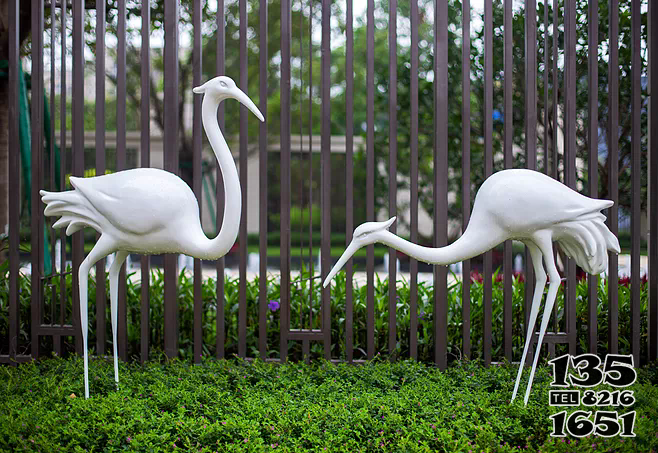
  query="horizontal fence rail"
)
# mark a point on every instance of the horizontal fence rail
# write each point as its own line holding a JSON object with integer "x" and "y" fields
{"x": 410, "y": 132}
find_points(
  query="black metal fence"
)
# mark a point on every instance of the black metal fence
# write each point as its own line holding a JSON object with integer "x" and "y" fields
{"x": 550, "y": 146}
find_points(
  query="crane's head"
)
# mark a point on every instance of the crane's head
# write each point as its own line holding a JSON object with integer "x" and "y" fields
{"x": 223, "y": 87}
{"x": 365, "y": 234}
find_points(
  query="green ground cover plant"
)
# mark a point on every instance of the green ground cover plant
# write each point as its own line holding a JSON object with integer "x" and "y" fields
{"x": 301, "y": 292}
{"x": 234, "y": 405}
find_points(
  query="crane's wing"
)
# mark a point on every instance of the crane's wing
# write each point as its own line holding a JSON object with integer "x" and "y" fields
{"x": 138, "y": 201}
{"x": 523, "y": 201}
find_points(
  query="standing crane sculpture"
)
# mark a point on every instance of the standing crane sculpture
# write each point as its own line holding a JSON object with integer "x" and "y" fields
{"x": 148, "y": 211}
{"x": 516, "y": 204}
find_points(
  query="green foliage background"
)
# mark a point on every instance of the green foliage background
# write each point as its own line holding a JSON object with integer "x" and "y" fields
{"x": 299, "y": 317}
{"x": 306, "y": 86}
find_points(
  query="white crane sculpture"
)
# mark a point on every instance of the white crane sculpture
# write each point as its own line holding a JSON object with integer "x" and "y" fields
{"x": 516, "y": 204}
{"x": 148, "y": 211}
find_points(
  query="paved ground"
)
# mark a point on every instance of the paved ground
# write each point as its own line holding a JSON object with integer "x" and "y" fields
{"x": 359, "y": 277}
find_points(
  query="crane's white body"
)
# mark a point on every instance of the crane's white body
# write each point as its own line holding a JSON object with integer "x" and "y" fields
{"x": 147, "y": 210}
{"x": 516, "y": 204}
{"x": 143, "y": 210}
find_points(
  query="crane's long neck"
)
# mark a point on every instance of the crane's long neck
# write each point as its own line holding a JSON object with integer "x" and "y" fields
{"x": 228, "y": 233}
{"x": 467, "y": 246}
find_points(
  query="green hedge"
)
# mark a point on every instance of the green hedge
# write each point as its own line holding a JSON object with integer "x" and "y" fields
{"x": 231, "y": 406}
{"x": 300, "y": 297}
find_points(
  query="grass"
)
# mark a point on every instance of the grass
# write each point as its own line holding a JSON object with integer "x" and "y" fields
{"x": 236, "y": 406}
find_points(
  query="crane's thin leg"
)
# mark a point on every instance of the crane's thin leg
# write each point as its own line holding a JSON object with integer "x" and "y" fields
{"x": 114, "y": 302}
{"x": 540, "y": 275}
{"x": 545, "y": 243}
{"x": 100, "y": 250}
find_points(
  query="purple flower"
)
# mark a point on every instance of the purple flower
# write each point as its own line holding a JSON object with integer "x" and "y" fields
{"x": 273, "y": 305}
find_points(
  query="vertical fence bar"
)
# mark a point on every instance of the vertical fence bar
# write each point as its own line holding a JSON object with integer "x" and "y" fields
{"x": 554, "y": 138}
{"x": 62, "y": 167}
{"x": 413, "y": 207}
{"x": 310, "y": 163}
{"x": 171, "y": 164}
{"x": 37, "y": 162}
{"x": 349, "y": 176}
{"x": 392, "y": 167}
{"x": 262, "y": 176}
{"x": 554, "y": 121}
{"x": 653, "y": 183}
{"x": 242, "y": 303}
{"x": 636, "y": 170}
{"x": 145, "y": 161}
{"x": 197, "y": 174}
{"x": 14, "y": 181}
{"x": 326, "y": 173}
{"x": 286, "y": 38}
{"x": 466, "y": 170}
{"x": 613, "y": 174}
{"x": 122, "y": 331}
{"x": 530, "y": 130}
{"x": 508, "y": 126}
{"x": 57, "y": 339}
{"x": 555, "y": 160}
{"x": 219, "y": 192}
{"x": 488, "y": 170}
{"x": 441, "y": 179}
{"x": 593, "y": 155}
{"x": 100, "y": 164}
{"x": 370, "y": 174}
{"x": 77, "y": 99}
{"x": 546, "y": 72}
{"x": 570, "y": 157}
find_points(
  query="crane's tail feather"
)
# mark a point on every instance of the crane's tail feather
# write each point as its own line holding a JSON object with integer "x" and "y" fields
{"x": 72, "y": 208}
{"x": 587, "y": 240}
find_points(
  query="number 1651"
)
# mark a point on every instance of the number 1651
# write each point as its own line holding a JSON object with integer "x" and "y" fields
{"x": 605, "y": 424}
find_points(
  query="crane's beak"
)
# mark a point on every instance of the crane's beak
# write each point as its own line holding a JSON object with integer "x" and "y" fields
{"x": 347, "y": 254}
{"x": 241, "y": 97}
{"x": 200, "y": 89}
{"x": 236, "y": 94}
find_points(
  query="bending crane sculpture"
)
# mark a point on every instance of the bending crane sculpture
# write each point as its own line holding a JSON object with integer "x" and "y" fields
{"x": 516, "y": 204}
{"x": 147, "y": 210}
